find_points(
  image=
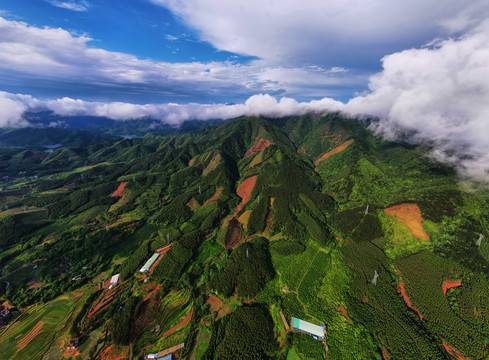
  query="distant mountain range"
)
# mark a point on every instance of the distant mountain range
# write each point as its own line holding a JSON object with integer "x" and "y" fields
{"x": 136, "y": 127}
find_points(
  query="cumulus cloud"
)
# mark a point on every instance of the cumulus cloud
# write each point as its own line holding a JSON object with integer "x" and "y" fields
{"x": 11, "y": 112}
{"x": 170, "y": 113}
{"x": 57, "y": 55}
{"x": 437, "y": 95}
{"x": 324, "y": 31}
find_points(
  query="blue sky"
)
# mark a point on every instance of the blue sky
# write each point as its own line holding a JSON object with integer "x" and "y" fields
{"x": 212, "y": 51}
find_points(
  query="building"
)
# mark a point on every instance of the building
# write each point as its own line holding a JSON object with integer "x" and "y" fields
{"x": 317, "y": 331}
{"x": 114, "y": 279}
{"x": 150, "y": 263}
{"x": 155, "y": 356}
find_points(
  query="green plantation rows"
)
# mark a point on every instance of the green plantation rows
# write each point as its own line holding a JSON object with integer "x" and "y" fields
{"x": 301, "y": 240}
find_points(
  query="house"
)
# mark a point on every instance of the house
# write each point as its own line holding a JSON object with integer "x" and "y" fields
{"x": 114, "y": 279}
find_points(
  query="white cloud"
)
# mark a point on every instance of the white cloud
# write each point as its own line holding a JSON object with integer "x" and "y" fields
{"x": 174, "y": 114}
{"x": 437, "y": 96}
{"x": 171, "y": 37}
{"x": 324, "y": 31}
{"x": 58, "y": 55}
{"x": 80, "y": 5}
{"x": 11, "y": 112}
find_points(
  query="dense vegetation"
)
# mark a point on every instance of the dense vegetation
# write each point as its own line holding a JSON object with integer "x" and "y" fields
{"x": 313, "y": 217}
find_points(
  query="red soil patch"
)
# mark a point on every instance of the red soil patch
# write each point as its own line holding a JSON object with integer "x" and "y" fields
{"x": 448, "y": 284}
{"x": 119, "y": 190}
{"x": 154, "y": 264}
{"x": 342, "y": 310}
{"x": 249, "y": 301}
{"x": 71, "y": 352}
{"x": 385, "y": 356}
{"x": 107, "y": 298}
{"x": 34, "y": 285}
{"x": 453, "y": 352}
{"x": 402, "y": 290}
{"x": 214, "y": 303}
{"x": 410, "y": 216}
{"x": 336, "y": 150}
{"x": 158, "y": 287}
{"x": 214, "y": 197}
{"x": 30, "y": 335}
{"x": 223, "y": 311}
{"x": 114, "y": 353}
{"x": 193, "y": 204}
{"x": 244, "y": 191}
{"x": 262, "y": 144}
{"x": 181, "y": 323}
{"x": 191, "y": 162}
{"x": 163, "y": 250}
{"x": 233, "y": 234}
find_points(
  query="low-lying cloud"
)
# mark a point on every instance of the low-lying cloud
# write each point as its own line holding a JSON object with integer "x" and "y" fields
{"x": 435, "y": 95}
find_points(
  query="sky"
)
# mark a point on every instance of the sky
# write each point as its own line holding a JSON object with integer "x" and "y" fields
{"x": 421, "y": 66}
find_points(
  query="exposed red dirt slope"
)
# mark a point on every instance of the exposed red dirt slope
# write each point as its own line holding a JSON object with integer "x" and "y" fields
{"x": 336, "y": 150}
{"x": 448, "y": 284}
{"x": 244, "y": 191}
{"x": 409, "y": 215}
{"x": 453, "y": 352}
{"x": 342, "y": 310}
{"x": 402, "y": 290}
{"x": 262, "y": 144}
{"x": 214, "y": 303}
{"x": 184, "y": 322}
{"x": 119, "y": 190}
{"x": 214, "y": 197}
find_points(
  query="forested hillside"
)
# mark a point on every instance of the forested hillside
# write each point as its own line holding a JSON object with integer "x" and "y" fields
{"x": 254, "y": 221}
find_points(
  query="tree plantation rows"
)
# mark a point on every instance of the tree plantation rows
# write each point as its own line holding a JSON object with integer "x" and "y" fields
{"x": 313, "y": 217}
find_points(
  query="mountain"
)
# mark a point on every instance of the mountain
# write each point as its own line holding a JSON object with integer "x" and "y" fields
{"x": 255, "y": 221}
{"x": 100, "y": 124}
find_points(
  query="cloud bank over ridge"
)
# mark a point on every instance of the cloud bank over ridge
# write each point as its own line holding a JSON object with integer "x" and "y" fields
{"x": 435, "y": 95}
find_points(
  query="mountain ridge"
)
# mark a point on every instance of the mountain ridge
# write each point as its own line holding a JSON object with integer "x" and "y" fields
{"x": 245, "y": 216}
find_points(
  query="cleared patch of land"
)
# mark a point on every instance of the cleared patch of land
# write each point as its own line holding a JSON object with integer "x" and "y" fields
{"x": 336, "y": 150}
{"x": 410, "y": 216}
{"x": 120, "y": 189}
{"x": 262, "y": 144}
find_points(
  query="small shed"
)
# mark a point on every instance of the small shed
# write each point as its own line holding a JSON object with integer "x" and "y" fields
{"x": 114, "y": 279}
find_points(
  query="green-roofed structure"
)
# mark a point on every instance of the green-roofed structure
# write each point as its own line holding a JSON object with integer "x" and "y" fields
{"x": 149, "y": 263}
{"x": 309, "y": 328}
